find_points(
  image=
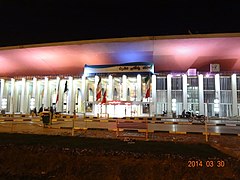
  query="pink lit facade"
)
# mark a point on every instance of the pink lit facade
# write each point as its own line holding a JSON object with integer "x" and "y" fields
{"x": 33, "y": 76}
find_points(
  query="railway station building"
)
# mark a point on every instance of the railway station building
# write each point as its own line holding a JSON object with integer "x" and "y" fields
{"x": 125, "y": 77}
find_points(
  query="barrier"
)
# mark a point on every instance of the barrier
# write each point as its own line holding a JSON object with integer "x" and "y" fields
{"x": 141, "y": 118}
{"x": 140, "y": 126}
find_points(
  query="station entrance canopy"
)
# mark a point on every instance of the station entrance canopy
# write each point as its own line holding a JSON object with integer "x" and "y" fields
{"x": 176, "y": 53}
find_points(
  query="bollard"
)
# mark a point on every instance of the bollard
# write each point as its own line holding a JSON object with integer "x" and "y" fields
{"x": 73, "y": 122}
{"x": 206, "y": 129}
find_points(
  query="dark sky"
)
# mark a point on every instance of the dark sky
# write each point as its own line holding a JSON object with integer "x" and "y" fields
{"x": 29, "y": 21}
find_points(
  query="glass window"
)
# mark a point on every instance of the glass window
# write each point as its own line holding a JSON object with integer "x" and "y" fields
{"x": 52, "y": 91}
{"x": 177, "y": 83}
{"x": 118, "y": 90}
{"x": 41, "y": 92}
{"x": 18, "y": 93}
{"x": 132, "y": 88}
{"x": 238, "y": 96}
{"x": 226, "y": 96}
{"x": 8, "y": 94}
{"x": 192, "y": 94}
{"x": 178, "y": 95}
{"x": 192, "y": 82}
{"x": 225, "y": 83}
{"x": 161, "y": 96}
{"x": 161, "y": 83}
{"x": 30, "y": 86}
{"x": 225, "y": 89}
{"x": 209, "y": 83}
{"x": 90, "y": 88}
{"x": 192, "y": 90}
{"x": 238, "y": 83}
{"x": 209, "y": 96}
{"x": 145, "y": 86}
{"x": 161, "y": 87}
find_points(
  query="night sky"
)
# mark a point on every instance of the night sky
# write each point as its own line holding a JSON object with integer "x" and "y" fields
{"x": 31, "y": 22}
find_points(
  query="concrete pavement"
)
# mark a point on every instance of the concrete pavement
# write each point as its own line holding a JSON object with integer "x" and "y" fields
{"x": 182, "y": 126}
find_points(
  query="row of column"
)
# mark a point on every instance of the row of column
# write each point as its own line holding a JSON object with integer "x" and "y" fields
{"x": 71, "y": 93}
{"x": 110, "y": 89}
{"x": 110, "y": 86}
{"x": 36, "y": 94}
{"x": 201, "y": 92}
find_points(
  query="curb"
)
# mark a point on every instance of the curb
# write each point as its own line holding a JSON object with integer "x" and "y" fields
{"x": 114, "y": 120}
{"x": 150, "y": 131}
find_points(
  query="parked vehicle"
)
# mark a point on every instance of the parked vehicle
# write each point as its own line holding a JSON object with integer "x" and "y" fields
{"x": 191, "y": 116}
{"x": 196, "y": 117}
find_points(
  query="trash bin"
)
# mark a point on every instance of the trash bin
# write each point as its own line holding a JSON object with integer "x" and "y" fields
{"x": 46, "y": 118}
{"x": 174, "y": 115}
{"x": 3, "y": 111}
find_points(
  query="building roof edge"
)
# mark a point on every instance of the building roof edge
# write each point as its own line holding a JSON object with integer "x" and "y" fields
{"x": 123, "y": 39}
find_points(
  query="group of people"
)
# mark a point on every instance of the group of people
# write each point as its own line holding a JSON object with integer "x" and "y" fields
{"x": 187, "y": 114}
{"x": 41, "y": 109}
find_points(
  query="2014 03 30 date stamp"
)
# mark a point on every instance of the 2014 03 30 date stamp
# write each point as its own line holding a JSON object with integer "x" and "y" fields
{"x": 207, "y": 163}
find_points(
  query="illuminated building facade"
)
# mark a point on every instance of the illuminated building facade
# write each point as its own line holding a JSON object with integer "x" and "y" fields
{"x": 198, "y": 73}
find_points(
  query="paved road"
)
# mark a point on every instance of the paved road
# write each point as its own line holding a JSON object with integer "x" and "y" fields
{"x": 166, "y": 125}
{"x": 213, "y": 121}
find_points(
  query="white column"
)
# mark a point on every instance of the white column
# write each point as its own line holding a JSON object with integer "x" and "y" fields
{"x": 83, "y": 94}
{"x": 39, "y": 94}
{"x": 12, "y": 95}
{"x": 59, "y": 93}
{"x": 2, "y": 90}
{"x": 234, "y": 95}
{"x": 96, "y": 79}
{"x": 50, "y": 92}
{"x": 217, "y": 87}
{"x": 184, "y": 81}
{"x": 45, "y": 96}
{"x": 34, "y": 91}
{"x": 79, "y": 98}
{"x": 95, "y": 109}
{"x": 24, "y": 98}
{"x": 154, "y": 94}
{"x": 110, "y": 88}
{"x": 124, "y": 85}
{"x": 139, "y": 87}
{"x": 200, "y": 92}
{"x": 71, "y": 99}
{"x": 169, "y": 94}
{"x": 28, "y": 101}
{"x": 217, "y": 94}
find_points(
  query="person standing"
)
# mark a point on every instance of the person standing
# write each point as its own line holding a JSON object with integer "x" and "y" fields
{"x": 51, "y": 110}
{"x": 183, "y": 114}
{"x": 40, "y": 110}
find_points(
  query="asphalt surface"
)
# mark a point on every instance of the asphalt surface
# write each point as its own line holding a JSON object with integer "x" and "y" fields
{"x": 221, "y": 133}
{"x": 227, "y": 143}
{"x": 178, "y": 126}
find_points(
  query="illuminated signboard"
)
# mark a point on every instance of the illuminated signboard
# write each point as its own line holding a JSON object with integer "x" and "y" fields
{"x": 119, "y": 68}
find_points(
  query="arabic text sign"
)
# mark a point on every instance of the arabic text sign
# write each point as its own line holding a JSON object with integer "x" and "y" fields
{"x": 119, "y": 69}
